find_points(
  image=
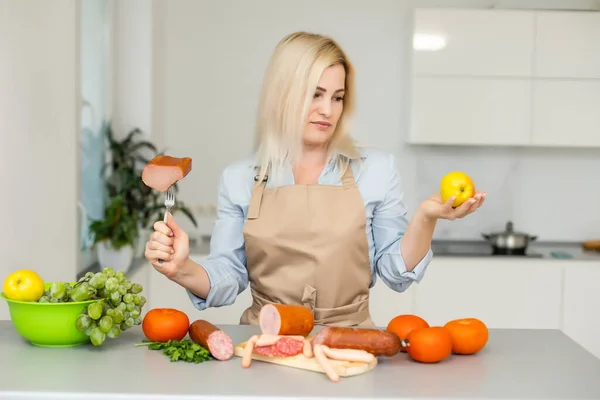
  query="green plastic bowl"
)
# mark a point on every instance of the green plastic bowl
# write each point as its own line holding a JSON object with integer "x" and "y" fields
{"x": 48, "y": 324}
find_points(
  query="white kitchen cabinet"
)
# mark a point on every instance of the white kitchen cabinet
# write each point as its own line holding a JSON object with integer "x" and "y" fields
{"x": 567, "y": 44}
{"x": 385, "y": 304}
{"x": 581, "y": 305}
{"x": 566, "y": 113}
{"x": 478, "y": 42}
{"x": 461, "y": 110}
{"x": 506, "y": 77}
{"x": 523, "y": 294}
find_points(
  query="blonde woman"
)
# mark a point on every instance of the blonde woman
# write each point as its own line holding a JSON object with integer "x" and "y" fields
{"x": 310, "y": 218}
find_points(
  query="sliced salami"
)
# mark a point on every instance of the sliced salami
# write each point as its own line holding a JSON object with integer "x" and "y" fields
{"x": 283, "y": 347}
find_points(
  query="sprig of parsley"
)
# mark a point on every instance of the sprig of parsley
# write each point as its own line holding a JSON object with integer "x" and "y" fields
{"x": 180, "y": 350}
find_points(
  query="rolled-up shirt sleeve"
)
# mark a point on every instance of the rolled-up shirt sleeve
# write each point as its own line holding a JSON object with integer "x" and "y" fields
{"x": 389, "y": 224}
{"x": 226, "y": 263}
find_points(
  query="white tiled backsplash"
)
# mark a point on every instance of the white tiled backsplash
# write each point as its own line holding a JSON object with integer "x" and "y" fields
{"x": 552, "y": 193}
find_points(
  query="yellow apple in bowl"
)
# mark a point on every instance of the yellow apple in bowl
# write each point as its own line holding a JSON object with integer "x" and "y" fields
{"x": 24, "y": 285}
{"x": 457, "y": 184}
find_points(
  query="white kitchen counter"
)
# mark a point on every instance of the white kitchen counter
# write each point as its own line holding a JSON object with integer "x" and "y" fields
{"x": 515, "y": 364}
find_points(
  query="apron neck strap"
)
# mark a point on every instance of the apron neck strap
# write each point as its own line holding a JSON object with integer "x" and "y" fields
{"x": 256, "y": 197}
{"x": 348, "y": 177}
{"x": 259, "y": 187}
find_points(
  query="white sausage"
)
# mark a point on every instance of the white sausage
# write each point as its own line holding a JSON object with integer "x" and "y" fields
{"x": 325, "y": 364}
{"x": 247, "y": 356}
{"x": 348, "y": 354}
{"x": 307, "y": 349}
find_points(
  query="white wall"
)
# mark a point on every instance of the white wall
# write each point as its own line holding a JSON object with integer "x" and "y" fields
{"x": 39, "y": 165}
{"x": 132, "y": 66}
{"x": 209, "y": 60}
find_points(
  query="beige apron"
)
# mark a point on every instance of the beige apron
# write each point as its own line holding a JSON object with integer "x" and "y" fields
{"x": 306, "y": 244}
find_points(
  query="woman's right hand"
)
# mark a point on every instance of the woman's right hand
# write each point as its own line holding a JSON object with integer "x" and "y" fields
{"x": 169, "y": 243}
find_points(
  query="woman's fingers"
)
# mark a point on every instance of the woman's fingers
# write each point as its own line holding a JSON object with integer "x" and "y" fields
{"x": 159, "y": 255}
{"x": 154, "y": 245}
{"x": 481, "y": 200}
{"x": 471, "y": 205}
{"x": 448, "y": 203}
{"x": 161, "y": 238}
{"x": 446, "y": 210}
{"x": 163, "y": 228}
{"x": 464, "y": 208}
{"x": 152, "y": 254}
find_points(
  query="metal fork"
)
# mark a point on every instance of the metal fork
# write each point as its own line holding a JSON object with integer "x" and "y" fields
{"x": 169, "y": 203}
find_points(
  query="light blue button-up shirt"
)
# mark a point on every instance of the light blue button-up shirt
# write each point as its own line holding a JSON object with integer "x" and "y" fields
{"x": 380, "y": 185}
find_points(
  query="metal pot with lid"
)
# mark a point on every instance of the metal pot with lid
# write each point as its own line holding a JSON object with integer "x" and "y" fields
{"x": 509, "y": 239}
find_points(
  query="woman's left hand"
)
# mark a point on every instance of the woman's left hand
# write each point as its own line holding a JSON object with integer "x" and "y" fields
{"x": 435, "y": 208}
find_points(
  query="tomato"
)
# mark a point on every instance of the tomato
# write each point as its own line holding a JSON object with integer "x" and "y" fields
{"x": 429, "y": 345}
{"x": 469, "y": 335}
{"x": 403, "y": 324}
{"x": 164, "y": 324}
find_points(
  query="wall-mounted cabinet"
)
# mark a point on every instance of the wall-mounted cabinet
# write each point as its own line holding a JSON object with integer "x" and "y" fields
{"x": 567, "y": 45}
{"x": 500, "y": 77}
{"x": 475, "y": 42}
{"x": 471, "y": 111}
{"x": 566, "y": 113}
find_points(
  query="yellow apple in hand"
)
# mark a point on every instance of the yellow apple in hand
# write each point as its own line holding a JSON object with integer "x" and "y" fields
{"x": 457, "y": 184}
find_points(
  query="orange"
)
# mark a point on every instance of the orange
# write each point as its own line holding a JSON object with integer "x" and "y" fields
{"x": 164, "y": 324}
{"x": 429, "y": 345}
{"x": 469, "y": 335}
{"x": 403, "y": 324}
{"x": 24, "y": 285}
{"x": 457, "y": 184}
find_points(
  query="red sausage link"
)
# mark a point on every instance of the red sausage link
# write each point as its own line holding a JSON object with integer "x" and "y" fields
{"x": 374, "y": 341}
{"x": 217, "y": 342}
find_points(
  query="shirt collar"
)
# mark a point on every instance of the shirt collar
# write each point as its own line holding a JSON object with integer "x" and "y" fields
{"x": 334, "y": 158}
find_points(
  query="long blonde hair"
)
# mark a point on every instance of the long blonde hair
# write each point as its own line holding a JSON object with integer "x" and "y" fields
{"x": 288, "y": 88}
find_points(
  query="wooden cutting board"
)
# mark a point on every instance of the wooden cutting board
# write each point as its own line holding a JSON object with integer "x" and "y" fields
{"x": 342, "y": 368}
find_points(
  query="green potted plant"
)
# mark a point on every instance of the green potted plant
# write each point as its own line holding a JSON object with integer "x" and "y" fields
{"x": 115, "y": 235}
{"x": 132, "y": 207}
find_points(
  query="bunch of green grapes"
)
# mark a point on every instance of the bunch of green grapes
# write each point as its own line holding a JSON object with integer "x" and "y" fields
{"x": 118, "y": 304}
{"x": 58, "y": 292}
